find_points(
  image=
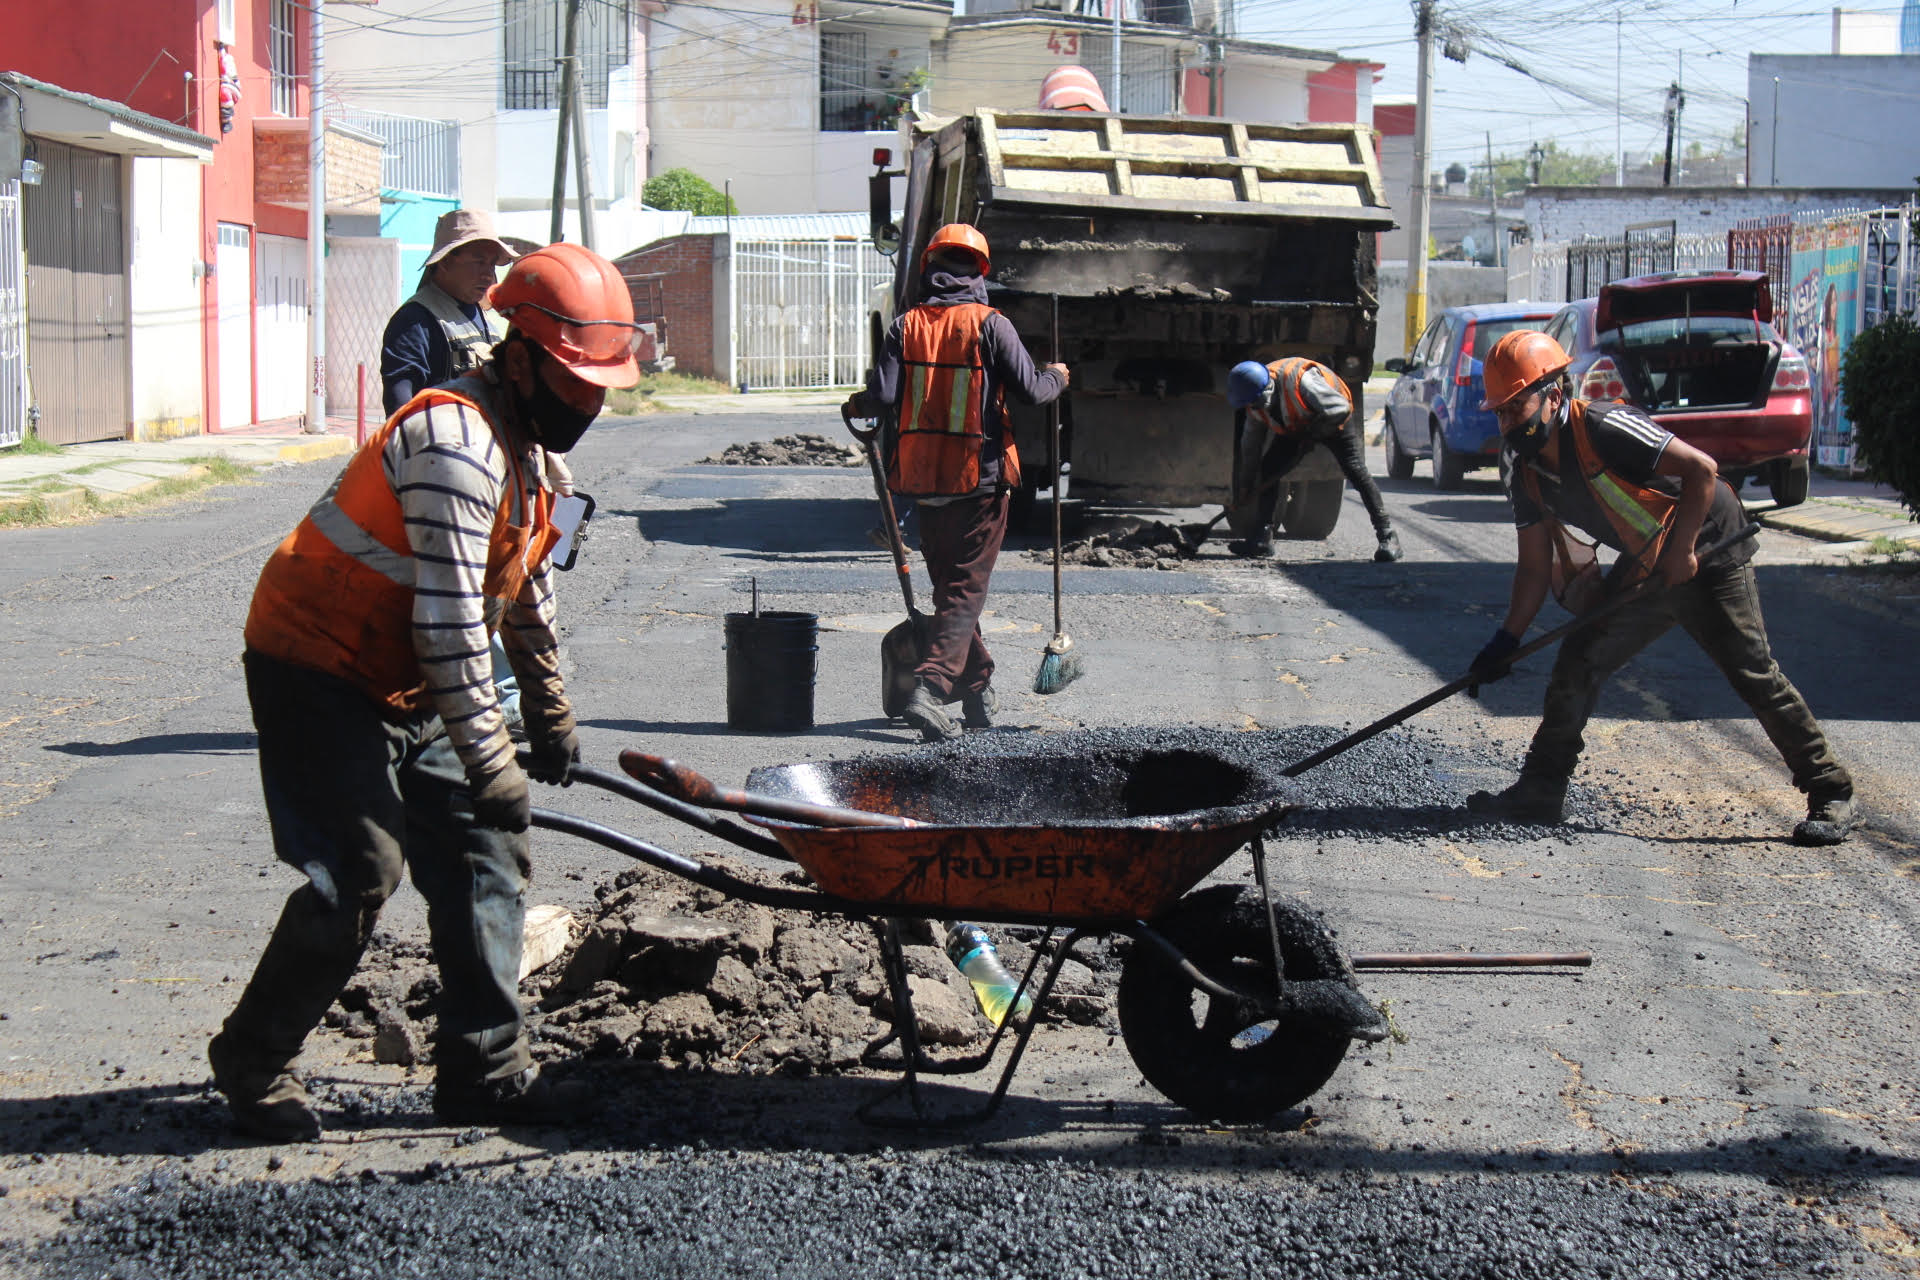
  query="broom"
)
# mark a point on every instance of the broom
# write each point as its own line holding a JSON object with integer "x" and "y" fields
{"x": 1061, "y": 665}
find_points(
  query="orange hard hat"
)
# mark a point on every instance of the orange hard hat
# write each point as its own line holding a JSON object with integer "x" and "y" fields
{"x": 1520, "y": 361}
{"x": 1071, "y": 88}
{"x": 572, "y": 303}
{"x": 959, "y": 235}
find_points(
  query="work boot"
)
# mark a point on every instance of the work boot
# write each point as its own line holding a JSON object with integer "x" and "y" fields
{"x": 1533, "y": 798}
{"x": 1830, "y": 816}
{"x": 1251, "y": 548}
{"x": 924, "y": 712}
{"x": 267, "y": 1101}
{"x": 525, "y": 1098}
{"x": 976, "y": 709}
{"x": 1389, "y": 549}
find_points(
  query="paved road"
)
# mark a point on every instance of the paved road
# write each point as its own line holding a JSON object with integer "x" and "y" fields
{"x": 1749, "y": 1021}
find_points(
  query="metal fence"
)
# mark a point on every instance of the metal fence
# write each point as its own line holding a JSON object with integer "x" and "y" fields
{"x": 1570, "y": 270}
{"x": 800, "y": 311}
{"x": 422, "y": 156}
{"x": 1890, "y": 266}
{"x": 363, "y": 288}
{"x": 13, "y": 320}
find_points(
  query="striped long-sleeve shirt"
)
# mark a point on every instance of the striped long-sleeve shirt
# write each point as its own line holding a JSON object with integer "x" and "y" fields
{"x": 449, "y": 470}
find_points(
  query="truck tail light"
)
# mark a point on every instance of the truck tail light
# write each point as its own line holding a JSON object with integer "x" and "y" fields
{"x": 1602, "y": 381}
{"x": 1791, "y": 373}
{"x": 882, "y": 157}
{"x": 1463, "y": 368}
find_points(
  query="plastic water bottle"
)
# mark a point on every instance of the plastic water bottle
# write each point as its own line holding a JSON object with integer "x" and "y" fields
{"x": 973, "y": 954}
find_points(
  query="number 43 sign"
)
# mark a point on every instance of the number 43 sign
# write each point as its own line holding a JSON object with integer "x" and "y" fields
{"x": 1064, "y": 43}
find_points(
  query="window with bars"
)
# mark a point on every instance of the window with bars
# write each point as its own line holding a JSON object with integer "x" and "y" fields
{"x": 535, "y": 35}
{"x": 844, "y": 101}
{"x": 282, "y": 71}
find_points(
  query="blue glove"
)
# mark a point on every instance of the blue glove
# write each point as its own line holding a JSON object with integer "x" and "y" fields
{"x": 1491, "y": 662}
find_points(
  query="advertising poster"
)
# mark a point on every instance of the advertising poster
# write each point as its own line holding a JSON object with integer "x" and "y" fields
{"x": 1823, "y": 315}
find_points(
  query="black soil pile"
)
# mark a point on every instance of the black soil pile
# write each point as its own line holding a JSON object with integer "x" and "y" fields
{"x": 1130, "y": 544}
{"x": 803, "y": 450}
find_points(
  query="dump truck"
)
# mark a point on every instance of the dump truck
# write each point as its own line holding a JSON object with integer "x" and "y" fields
{"x": 1174, "y": 247}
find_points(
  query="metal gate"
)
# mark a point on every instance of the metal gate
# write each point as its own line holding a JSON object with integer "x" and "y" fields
{"x": 363, "y": 288}
{"x": 77, "y": 347}
{"x": 801, "y": 308}
{"x": 279, "y": 326}
{"x": 13, "y": 321}
{"x": 1889, "y": 272}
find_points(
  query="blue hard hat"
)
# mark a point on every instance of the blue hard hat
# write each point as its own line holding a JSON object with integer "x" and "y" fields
{"x": 1246, "y": 383}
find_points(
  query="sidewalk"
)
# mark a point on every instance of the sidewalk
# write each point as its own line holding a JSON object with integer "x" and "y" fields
{"x": 111, "y": 469}
{"x": 1839, "y": 511}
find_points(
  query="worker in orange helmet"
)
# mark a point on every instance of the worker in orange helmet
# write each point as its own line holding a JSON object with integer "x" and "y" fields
{"x": 1608, "y": 470}
{"x": 946, "y": 367}
{"x": 1071, "y": 88}
{"x": 382, "y": 745}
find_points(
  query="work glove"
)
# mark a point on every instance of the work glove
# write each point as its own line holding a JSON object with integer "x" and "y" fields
{"x": 858, "y": 405}
{"x": 500, "y": 798}
{"x": 553, "y": 742}
{"x": 1490, "y": 663}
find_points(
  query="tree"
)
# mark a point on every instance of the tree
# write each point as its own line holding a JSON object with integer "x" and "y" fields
{"x": 685, "y": 189}
{"x": 1880, "y": 378}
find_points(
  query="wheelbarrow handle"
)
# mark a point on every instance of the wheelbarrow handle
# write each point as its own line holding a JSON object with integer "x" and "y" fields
{"x": 682, "y": 783}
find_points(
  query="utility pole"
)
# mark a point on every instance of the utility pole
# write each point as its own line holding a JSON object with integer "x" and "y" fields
{"x": 1619, "y": 144}
{"x": 316, "y": 224}
{"x": 582, "y": 162}
{"x": 1113, "y": 11}
{"x": 1493, "y": 202}
{"x": 556, "y": 225}
{"x": 1422, "y": 132}
{"x": 1675, "y": 101}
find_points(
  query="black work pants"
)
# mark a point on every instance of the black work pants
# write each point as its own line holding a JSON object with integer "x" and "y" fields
{"x": 1283, "y": 455}
{"x": 352, "y": 796}
{"x": 961, "y": 541}
{"x": 1720, "y": 609}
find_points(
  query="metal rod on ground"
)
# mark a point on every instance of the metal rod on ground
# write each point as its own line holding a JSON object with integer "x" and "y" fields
{"x": 1617, "y": 601}
{"x": 1061, "y": 664}
{"x": 1469, "y": 960}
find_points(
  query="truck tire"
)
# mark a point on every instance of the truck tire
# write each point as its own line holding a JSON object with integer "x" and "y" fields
{"x": 1312, "y": 507}
{"x": 1399, "y": 461}
{"x": 1789, "y": 480}
{"x": 1448, "y": 467}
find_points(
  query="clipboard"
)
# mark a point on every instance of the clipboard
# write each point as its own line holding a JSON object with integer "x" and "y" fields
{"x": 570, "y": 515}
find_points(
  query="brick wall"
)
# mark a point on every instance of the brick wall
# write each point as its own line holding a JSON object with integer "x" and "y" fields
{"x": 686, "y": 265}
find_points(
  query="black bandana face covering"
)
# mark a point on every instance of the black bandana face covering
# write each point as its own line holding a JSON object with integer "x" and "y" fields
{"x": 1531, "y": 437}
{"x": 555, "y": 425}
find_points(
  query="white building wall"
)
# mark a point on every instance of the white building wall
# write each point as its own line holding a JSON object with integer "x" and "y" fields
{"x": 1825, "y": 120}
{"x": 164, "y": 304}
{"x": 382, "y": 59}
{"x": 1570, "y": 213}
{"x": 1267, "y": 91}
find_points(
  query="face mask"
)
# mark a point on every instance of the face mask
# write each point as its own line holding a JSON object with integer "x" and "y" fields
{"x": 555, "y": 425}
{"x": 1530, "y": 438}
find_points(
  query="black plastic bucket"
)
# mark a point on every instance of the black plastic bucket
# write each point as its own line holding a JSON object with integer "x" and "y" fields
{"x": 771, "y": 660}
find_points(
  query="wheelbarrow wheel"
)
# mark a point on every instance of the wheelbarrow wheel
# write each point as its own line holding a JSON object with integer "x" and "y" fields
{"x": 1229, "y": 1060}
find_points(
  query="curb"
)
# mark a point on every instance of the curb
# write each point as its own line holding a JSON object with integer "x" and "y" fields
{"x": 58, "y": 504}
{"x": 314, "y": 450}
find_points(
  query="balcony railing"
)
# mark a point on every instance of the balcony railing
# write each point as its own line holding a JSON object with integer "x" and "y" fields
{"x": 416, "y": 155}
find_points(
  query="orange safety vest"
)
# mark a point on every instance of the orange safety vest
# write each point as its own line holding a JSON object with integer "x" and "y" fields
{"x": 1639, "y": 516}
{"x": 337, "y": 593}
{"x": 1297, "y": 413}
{"x": 937, "y": 447}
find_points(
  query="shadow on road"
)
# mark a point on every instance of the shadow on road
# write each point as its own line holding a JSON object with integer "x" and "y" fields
{"x": 164, "y": 744}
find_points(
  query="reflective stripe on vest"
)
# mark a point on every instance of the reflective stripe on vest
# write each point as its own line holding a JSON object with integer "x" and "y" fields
{"x": 937, "y": 446}
{"x": 340, "y": 529}
{"x": 1639, "y": 516}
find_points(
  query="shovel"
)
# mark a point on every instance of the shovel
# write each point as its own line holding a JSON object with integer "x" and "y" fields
{"x": 903, "y": 648}
{"x": 681, "y": 783}
{"x": 1619, "y": 600}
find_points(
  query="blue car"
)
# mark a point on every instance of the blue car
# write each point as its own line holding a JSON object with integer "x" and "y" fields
{"x": 1434, "y": 408}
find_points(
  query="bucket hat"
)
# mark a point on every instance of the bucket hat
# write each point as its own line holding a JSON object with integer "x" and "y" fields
{"x": 459, "y": 227}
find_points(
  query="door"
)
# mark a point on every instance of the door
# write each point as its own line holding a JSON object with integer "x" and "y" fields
{"x": 280, "y": 326}
{"x": 233, "y": 285}
{"x": 1407, "y": 402}
{"x": 78, "y": 361}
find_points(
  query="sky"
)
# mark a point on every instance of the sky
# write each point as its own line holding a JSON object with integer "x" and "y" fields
{"x": 1576, "y": 54}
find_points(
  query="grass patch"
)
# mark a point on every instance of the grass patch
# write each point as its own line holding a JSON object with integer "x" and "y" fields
{"x": 627, "y": 403}
{"x": 37, "y": 511}
{"x": 33, "y": 444}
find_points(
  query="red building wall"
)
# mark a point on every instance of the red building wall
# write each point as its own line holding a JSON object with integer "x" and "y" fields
{"x": 687, "y": 264}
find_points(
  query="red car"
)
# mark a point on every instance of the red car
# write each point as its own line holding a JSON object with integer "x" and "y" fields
{"x": 1697, "y": 350}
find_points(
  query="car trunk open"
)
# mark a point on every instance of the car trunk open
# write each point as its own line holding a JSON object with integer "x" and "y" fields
{"x": 1691, "y": 344}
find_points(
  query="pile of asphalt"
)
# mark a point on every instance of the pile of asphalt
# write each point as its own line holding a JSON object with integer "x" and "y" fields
{"x": 687, "y": 1212}
{"x": 1131, "y": 544}
{"x": 803, "y": 450}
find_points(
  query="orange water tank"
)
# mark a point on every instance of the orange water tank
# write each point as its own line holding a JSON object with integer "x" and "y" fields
{"x": 1071, "y": 88}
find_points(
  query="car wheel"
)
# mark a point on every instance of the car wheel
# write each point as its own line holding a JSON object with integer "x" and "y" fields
{"x": 1789, "y": 481}
{"x": 1448, "y": 468}
{"x": 1399, "y": 461}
